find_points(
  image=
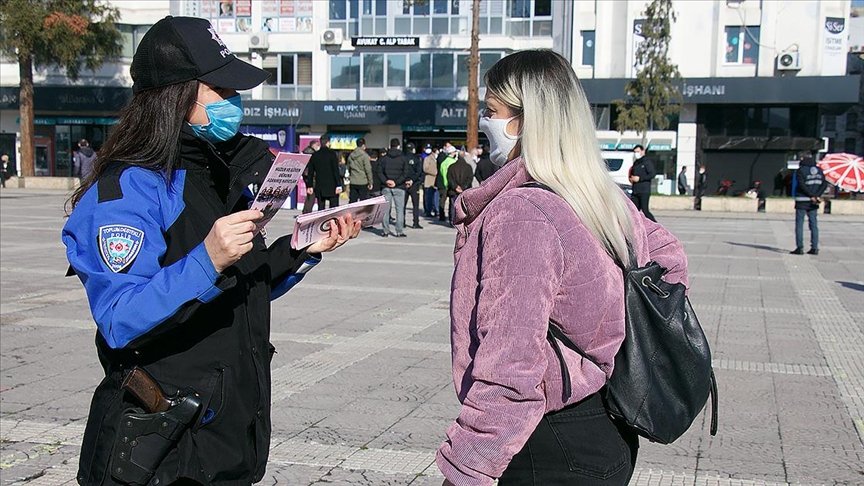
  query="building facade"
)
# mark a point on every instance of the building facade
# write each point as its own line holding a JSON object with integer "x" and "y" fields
{"x": 760, "y": 77}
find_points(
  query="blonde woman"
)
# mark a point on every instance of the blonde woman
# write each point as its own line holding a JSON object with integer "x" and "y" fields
{"x": 525, "y": 255}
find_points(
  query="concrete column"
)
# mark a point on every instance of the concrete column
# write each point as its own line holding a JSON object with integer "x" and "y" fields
{"x": 686, "y": 150}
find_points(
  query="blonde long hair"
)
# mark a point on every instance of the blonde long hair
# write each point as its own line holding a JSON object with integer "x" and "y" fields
{"x": 559, "y": 144}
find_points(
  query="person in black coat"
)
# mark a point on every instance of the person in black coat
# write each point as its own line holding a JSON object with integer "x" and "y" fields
{"x": 459, "y": 178}
{"x": 324, "y": 175}
{"x": 415, "y": 180}
{"x": 808, "y": 184}
{"x": 640, "y": 176}
{"x": 485, "y": 167}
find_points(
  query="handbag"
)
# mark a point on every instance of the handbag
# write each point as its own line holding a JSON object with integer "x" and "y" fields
{"x": 663, "y": 376}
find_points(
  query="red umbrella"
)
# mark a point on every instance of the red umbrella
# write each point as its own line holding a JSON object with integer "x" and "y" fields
{"x": 845, "y": 171}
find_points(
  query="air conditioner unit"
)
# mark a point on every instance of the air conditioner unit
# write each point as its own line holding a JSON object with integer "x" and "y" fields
{"x": 789, "y": 61}
{"x": 332, "y": 37}
{"x": 258, "y": 41}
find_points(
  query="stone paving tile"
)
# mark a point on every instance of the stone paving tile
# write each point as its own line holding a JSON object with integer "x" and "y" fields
{"x": 292, "y": 474}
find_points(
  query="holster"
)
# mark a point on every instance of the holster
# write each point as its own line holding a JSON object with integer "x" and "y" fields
{"x": 144, "y": 439}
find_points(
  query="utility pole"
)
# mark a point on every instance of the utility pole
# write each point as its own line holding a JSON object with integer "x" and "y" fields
{"x": 474, "y": 78}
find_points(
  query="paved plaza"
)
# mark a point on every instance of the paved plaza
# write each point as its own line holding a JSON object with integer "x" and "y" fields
{"x": 361, "y": 381}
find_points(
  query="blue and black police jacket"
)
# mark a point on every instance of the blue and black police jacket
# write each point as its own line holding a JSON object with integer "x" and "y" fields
{"x": 136, "y": 242}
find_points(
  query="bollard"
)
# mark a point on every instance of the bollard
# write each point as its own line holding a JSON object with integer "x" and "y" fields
{"x": 827, "y": 208}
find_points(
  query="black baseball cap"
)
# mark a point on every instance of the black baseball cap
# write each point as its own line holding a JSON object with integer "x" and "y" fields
{"x": 180, "y": 49}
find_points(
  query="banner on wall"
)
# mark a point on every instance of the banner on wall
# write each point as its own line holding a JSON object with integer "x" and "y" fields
{"x": 834, "y": 48}
{"x": 638, "y": 39}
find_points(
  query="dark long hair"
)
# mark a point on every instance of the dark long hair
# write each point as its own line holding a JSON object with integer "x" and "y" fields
{"x": 147, "y": 135}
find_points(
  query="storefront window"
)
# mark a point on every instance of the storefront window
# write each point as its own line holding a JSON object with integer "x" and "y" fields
{"x": 487, "y": 60}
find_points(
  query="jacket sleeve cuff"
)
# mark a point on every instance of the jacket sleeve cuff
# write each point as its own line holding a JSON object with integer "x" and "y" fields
{"x": 456, "y": 475}
{"x": 208, "y": 272}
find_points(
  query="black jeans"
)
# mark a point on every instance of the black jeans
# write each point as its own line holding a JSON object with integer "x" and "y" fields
{"x": 640, "y": 199}
{"x": 332, "y": 201}
{"x": 414, "y": 194}
{"x": 358, "y": 192}
{"x": 577, "y": 445}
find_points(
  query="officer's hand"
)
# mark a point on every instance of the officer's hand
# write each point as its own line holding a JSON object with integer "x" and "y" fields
{"x": 342, "y": 229}
{"x": 231, "y": 237}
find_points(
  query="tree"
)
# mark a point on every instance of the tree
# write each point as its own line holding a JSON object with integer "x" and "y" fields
{"x": 70, "y": 34}
{"x": 474, "y": 78}
{"x": 653, "y": 96}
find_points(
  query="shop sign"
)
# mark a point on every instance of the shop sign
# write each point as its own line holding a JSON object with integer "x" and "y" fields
{"x": 834, "y": 50}
{"x": 385, "y": 41}
{"x": 604, "y": 145}
{"x": 691, "y": 90}
{"x": 659, "y": 146}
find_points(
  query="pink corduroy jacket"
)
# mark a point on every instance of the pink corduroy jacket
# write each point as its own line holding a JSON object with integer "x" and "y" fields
{"x": 523, "y": 256}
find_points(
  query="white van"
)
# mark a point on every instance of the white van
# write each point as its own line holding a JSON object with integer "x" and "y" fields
{"x": 619, "y": 165}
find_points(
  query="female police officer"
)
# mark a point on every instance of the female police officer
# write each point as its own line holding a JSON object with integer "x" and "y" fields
{"x": 178, "y": 283}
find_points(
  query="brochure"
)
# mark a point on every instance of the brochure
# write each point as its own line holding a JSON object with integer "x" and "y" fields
{"x": 280, "y": 181}
{"x": 315, "y": 226}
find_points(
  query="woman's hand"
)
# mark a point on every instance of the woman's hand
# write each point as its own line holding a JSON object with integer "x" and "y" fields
{"x": 231, "y": 237}
{"x": 342, "y": 229}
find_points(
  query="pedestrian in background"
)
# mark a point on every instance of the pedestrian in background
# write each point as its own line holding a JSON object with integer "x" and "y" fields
{"x": 4, "y": 170}
{"x": 808, "y": 184}
{"x": 415, "y": 180}
{"x": 430, "y": 172}
{"x": 178, "y": 281}
{"x": 448, "y": 160}
{"x": 525, "y": 255}
{"x": 682, "y": 181}
{"x": 701, "y": 184}
{"x": 460, "y": 177}
{"x": 309, "y": 200}
{"x": 641, "y": 175}
{"x": 360, "y": 172}
{"x": 374, "y": 156}
{"x": 393, "y": 176}
{"x": 485, "y": 167}
{"x": 82, "y": 162}
{"x": 324, "y": 175}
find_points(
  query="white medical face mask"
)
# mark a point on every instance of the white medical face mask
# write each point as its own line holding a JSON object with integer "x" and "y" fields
{"x": 501, "y": 143}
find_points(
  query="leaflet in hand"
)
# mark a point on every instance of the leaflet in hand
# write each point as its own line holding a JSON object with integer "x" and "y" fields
{"x": 280, "y": 181}
{"x": 313, "y": 227}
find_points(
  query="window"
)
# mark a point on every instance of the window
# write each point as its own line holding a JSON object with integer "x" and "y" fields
{"x": 487, "y": 60}
{"x": 373, "y": 18}
{"x": 587, "y": 47}
{"x": 528, "y": 18}
{"x": 344, "y": 72}
{"x": 373, "y": 70}
{"x": 442, "y": 70}
{"x": 757, "y": 121}
{"x": 849, "y": 146}
{"x": 396, "y": 70}
{"x": 742, "y": 45}
{"x": 851, "y": 121}
{"x": 419, "y": 77}
{"x": 344, "y": 15}
{"x": 830, "y": 123}
{"x": 131, "y": 35}
{"x": 462, "y": 70}
{"x": 778, "y": 122}
{"x": 290, "y": 77}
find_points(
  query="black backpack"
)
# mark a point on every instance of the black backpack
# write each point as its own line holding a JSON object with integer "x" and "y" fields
{"x": 662, "y": 377}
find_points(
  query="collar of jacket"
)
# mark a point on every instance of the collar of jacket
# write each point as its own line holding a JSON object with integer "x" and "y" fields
{"x": 472, "y": 202}
{"x": 245, "y": 157}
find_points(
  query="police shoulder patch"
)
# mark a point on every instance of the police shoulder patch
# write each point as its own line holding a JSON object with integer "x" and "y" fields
{"x": 119, "y": 245}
